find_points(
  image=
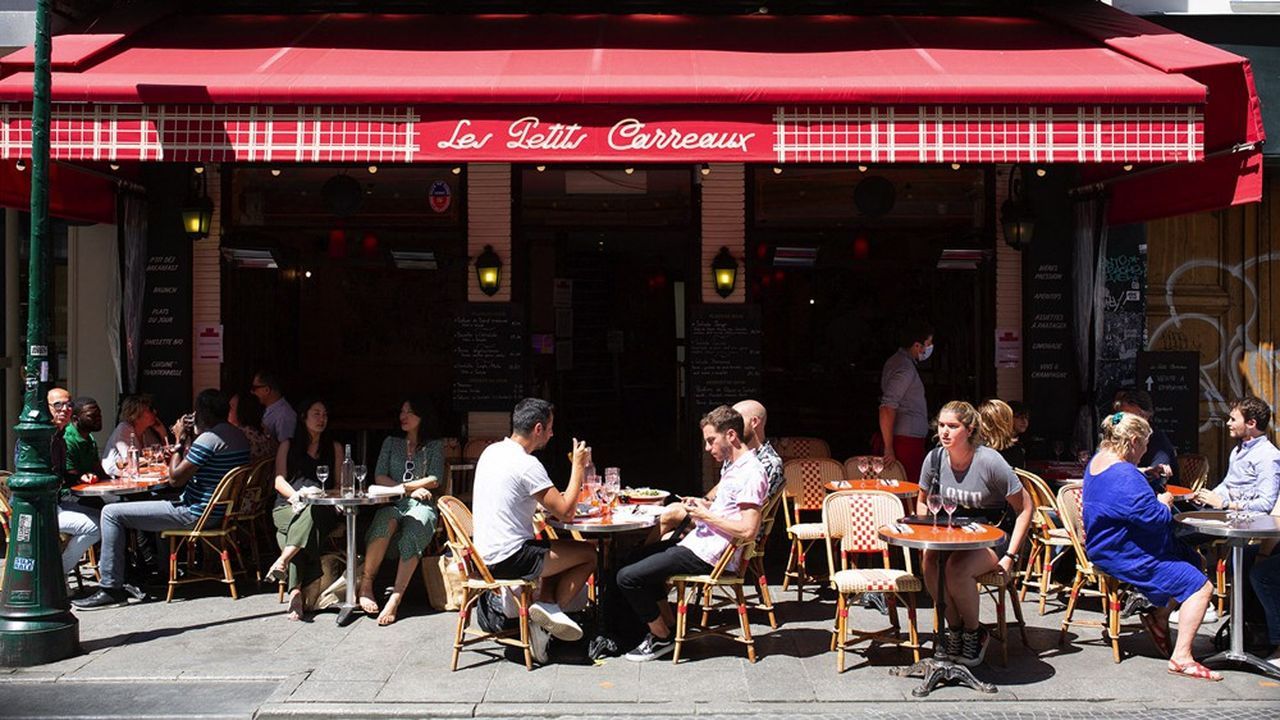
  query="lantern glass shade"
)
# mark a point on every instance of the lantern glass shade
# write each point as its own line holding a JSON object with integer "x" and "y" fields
{"x": 489, "y": 271}
{"x": 1018, "y": 222}
{"x": 724, "y": 269}
{"x": 197, "y": 217}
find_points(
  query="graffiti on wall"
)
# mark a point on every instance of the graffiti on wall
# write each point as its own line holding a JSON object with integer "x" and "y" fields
{"x": 1238, "y": 347}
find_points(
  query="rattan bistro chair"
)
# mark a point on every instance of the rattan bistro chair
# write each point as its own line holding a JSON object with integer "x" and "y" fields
{"x": 1071, "y": 504}
{"x": 854, "y": 518}
{"x": 1049, "y": 540}
{"x": 690, "y": 587}
{"x": 755, "y": 560}
{"x": 797, "y": 448}
{"x": 805, "y": 490}
{"x": 459, "y": 526}
{"x": 1193, "y": 470}
{"x": 252, "y": 514}
{"x": 215, "y": 531}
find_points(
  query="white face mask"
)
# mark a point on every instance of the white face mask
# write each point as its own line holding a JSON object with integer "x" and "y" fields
{"x": 924, "y": 354}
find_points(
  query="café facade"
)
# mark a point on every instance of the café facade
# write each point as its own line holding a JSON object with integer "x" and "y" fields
{"x": 636, "y": 216}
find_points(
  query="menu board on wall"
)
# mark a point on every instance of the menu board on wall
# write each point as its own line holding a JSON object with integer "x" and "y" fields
{"x": 724, "y": 362}
{"x": 488, "y": 357}
{"x": 165, "y": 368}
{"x": 1050, "y": 387}
{"x": 1173, "y": 379}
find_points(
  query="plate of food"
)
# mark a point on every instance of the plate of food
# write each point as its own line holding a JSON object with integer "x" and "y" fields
{"x": 645, "y": 495}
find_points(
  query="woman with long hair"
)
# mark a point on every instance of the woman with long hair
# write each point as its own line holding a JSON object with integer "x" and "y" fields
{"x": 246, "y": 413}
{"x": 302, "y": 528}
{"x": 1129, "y": 535}
{"x": 998, "y": 433}
{"x": 414, "y": 461}
{"x": 980, "y": 481}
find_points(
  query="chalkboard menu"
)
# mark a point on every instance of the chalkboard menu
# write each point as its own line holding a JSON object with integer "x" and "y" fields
{"x": 1173, "y": 379}
{"x": 1124, "y": 307}
{"x": 724, "y": 354}
{"x": 1048, "y": 346}
{"x": 488, "y": 357}
{"x": 164, "y": 367}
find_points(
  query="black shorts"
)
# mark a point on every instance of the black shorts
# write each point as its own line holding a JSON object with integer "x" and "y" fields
{"x": 523, "y": 564}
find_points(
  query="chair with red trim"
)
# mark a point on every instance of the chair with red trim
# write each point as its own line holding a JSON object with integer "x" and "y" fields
{"x": 459, "y": 526}
{"x": 797, "y": 447}
{"x": 755, "y": 560}
{"x": 805, "y": 490}
{"x": 854, "y": 518}
{"x": 217, "y": 536}
{"x": 1049, "y": 540}
{"x": 1071, "y": 505}
{"x": 691, "y": 587}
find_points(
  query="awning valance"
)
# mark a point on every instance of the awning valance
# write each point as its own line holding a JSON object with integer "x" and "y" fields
{"x": 399, "y": 88}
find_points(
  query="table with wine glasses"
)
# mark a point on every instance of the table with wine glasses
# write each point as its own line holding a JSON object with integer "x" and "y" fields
{"x": 349, "y": 505}
{"x": 901, "y": 488}
{"x": 942, "y": 539}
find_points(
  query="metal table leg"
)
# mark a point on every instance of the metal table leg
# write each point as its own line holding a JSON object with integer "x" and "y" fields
{"x": 347, "y": 611}
{"x": 1236, "y": 655}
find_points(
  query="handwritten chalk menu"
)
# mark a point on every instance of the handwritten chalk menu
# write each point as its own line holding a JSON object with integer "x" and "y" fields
{"x": 724, "y": 354}
{"x": 164, "y": 369}
{"x": 1049, "y": 362}
{"x": 1173, "y": 379}
{"x": 488, "y": 357}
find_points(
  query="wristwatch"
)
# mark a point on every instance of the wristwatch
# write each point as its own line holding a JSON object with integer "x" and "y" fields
{"x": 1013, "y": 556}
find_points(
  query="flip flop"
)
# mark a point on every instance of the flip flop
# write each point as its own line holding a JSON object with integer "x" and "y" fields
{"x": 1194, "y": 670}
{"x": 1159, "y": 633}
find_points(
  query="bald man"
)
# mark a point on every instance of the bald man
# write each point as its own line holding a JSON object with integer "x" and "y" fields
{"x": 754, "y": 417}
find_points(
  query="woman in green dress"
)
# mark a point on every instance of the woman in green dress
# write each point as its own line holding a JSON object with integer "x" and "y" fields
{"x": 404, "y": 529}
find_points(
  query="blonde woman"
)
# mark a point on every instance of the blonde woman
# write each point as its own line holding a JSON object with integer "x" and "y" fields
{"x": 982, "y": 483}
{"x": 1129, "y": 536}
{"x": 998, "y": 433}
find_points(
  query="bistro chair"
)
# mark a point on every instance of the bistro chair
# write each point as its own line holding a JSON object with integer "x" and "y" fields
{"x": 1193, "y": 471}
{"x": 214, "y": 531}
{"x": 1071, "y": 504}
{"x": 462, "y": 474}
{"x": 999, "y": 587}
{"x": 854, "y": 518}
{"x": 1049, "y": 540}
{"x": 805, "y": 490}
{"x": 459, "y": 526}
{"x": 755, "y": 559}
{"x": 253, "y": 511}
{"x": 690, "y": 587}
{"x": 796, "y": 447}
{"x": 892, "y": 470}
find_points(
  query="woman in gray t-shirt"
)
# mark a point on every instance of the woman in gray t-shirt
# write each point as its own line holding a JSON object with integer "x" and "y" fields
{"x": 980, "y": 480}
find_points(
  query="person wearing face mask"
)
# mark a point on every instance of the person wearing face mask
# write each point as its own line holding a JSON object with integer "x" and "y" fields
{"x": 904, "y": 413}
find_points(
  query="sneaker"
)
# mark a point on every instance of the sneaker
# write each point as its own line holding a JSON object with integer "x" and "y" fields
{"x": 651, "y": 648}
{"x": 973, "y": 647}
{"x": 104, "y": 598}
{"x": 556, "y": 622}
{"x": 1210, "y": 616}
{"x": 539, "y": 639}
{"x": 949, "y": 648}
{"x": 875, "y": 601}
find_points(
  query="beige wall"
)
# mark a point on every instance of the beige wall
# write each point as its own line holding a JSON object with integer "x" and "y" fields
{"x": 93, "y": 264}
{"x": 206, "y": 288}
{"x": 489, "y": 223}
{"x": 1008, "y": 291}
{"x": 724, "y": 224}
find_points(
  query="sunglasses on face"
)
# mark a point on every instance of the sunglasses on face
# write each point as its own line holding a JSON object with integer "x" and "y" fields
{"x": 61, "y": 405}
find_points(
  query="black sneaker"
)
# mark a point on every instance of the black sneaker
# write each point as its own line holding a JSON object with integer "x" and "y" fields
{"x": 651, "y": 648}
{"x": 104, "y": 598}
{"x": 875, "y": 601}
{"x": 973, "y": 647}
{"x": 949, "y": 648}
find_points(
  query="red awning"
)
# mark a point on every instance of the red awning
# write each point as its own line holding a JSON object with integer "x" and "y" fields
{"x": 414, "y": 88}
{"x": 73, "y": 195}
{"x": 1231, "y": 173}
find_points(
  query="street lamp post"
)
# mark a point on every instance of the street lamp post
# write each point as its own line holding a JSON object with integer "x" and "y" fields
{"x": 36, "y": 624}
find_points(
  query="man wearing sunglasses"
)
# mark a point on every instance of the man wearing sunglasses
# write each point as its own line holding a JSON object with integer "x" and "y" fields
{"x": 279, "y": 418}
{"x": 76, "y": 520}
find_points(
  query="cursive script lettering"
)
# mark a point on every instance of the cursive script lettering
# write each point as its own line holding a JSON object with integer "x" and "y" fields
{"x": 631, "y": 134}
{"x": 461, "y": 140}
{"x": 526, "y": 135}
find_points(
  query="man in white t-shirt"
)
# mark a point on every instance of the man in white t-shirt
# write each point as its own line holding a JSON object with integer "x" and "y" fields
{"x": 510, "y": 484}
{"x": 733, "y": 516}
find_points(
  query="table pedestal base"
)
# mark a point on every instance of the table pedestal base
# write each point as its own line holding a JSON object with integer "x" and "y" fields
{"x": 936, "y": 672}
{"x": 348, "y": 613}
{"x": 1229, "y": 658}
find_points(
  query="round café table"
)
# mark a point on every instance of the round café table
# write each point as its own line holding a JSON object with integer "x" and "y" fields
{"x": 121, "y": 487}
{"x": 942, "y": 540}
{"x": 902, "y": 489}
{"x": 1237, "y": 534}
{"x": 349, "y": 507}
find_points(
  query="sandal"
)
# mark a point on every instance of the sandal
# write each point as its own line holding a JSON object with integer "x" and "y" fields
{"x": 1159, "y": 633}
{"x": 278, "y": 572}
{"x": 1194, "y": 670}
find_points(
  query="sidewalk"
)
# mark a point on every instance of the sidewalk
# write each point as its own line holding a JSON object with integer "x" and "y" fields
{"x": 245, "y": 650}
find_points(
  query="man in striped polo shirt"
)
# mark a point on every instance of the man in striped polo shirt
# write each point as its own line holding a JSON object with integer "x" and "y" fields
{"x": 196, "y": 467}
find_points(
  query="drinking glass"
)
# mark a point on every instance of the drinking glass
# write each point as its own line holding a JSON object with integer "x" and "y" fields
{"x": 361, "y": 472}
{"x": 322, "y": 474}
{"x": 934, "y": 502}
{"x": 877, "y": 466}
{"x": 949, "y": 506}
{"x": 863, "y": 465}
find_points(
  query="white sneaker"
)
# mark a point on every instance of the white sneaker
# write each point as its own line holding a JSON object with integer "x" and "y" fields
{"x": 539, "y": 639}
{"x": 1210, "y": 616}
{"x": 551, "y": 617}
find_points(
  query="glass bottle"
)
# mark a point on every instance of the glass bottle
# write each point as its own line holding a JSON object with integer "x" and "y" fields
{"x": 347, "y": 475}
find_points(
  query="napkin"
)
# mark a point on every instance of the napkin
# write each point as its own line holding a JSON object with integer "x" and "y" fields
{"x": 386, "y": 491}
{"x": 1214, "y": 522}
{"x": 297, "y": 501}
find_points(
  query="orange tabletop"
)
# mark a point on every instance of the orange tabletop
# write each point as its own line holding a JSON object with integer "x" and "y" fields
{"x": 927, "y": 537}
{"x": 1178, "y": 490}
{"x": 120, "y": 487}
{"x": 902, "y": 489}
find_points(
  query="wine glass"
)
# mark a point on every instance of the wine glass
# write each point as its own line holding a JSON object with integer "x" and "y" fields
{"x": 863, "y": 465}
{"x": 122, "y": 462}
{"x": 934, "y": 501}
{"x": 949, "y": 507}
{"x": 361, "y": 472}
{"x": 877, "y": 466}
{"x": 322, "y": 474}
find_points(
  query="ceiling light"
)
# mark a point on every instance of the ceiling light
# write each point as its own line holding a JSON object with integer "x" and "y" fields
{"x": 1128, "y": 167}
{"x": 199, "y": 169}
{"x": 540, "y": 168}
{"x": 457, "y": 170}
{"x": 705, "y": 169}
{"x": 777, "y": 170}
{"x": 373, "y": 169}
{"x": 862, "y": 168}
{"x": 113, "y": 166}
{"x": 275, "y": 172}
{"x": 1041, "y": 172}
{"x": 307, "y": 274}
{"x": 630, "y": 171}
{"x": 955, "y": 166}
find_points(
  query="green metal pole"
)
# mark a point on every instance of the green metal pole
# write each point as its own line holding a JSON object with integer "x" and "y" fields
{"x": 36, "y": 624}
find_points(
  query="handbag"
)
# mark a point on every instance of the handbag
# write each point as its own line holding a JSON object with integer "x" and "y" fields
{"x": 444, "y": 581}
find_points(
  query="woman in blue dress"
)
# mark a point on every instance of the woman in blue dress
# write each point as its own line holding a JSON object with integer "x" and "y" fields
{"x": 1129, "y": 536}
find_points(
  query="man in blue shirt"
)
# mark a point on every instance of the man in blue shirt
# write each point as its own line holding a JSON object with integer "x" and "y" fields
{"x": 197, "y": 467}
{"x": 1253, "y": 477}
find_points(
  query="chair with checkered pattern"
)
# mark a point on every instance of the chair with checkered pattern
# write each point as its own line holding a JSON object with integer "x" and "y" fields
{"x": 854, "y": 518}
{"x": 804, "y": 492}
{"x": 692, "y": 587}
{"x": 796, "y": 448}
{"x": 1049, "y": 540}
